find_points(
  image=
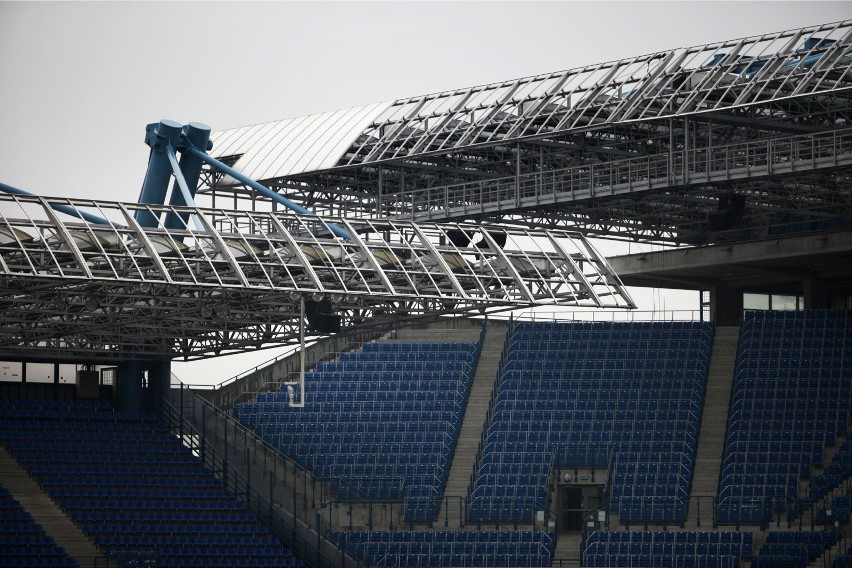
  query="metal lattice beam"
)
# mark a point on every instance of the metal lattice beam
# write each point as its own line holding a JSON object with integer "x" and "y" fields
{"x": 229, "y": 280}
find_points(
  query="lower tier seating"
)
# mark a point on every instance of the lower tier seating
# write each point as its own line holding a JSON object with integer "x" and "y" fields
{"x": 24, "y": 542}
{"x": 790, "y": 398}
{"x": 793, "y": 549}
{"x": 135, "y": 489}
{"x": 667, "y": 549}
{"x": 448, "y": 548}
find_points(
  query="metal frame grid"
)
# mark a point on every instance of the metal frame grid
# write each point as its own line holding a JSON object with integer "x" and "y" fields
{"x": 672, "y": 83}
{"x": 646, "y": 148}
{"x": 230, "y": 280}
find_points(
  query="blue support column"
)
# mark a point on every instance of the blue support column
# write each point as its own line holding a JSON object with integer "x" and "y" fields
{"x": 159, "y": 137}
{"x": 197, "y": 135}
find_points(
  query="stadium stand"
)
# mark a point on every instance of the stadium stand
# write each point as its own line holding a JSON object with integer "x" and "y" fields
{"x": 23, "y": 542}
{"x": 449, "y": 548}
{"x": 626, "y": 396}
{"x": 382, "y": 422}
{"x": 793, "y": 549}
{"x": 791, "y": 398}
{"x": 667, "y": 549}
{"x": 133, "y": 488}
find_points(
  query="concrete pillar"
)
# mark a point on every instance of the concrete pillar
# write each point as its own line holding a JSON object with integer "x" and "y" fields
{"x": 159, "y": 383}
{"x": 128, "y": 391}
{"x": 817, "y": 294}
{"x": 726, "y": 305}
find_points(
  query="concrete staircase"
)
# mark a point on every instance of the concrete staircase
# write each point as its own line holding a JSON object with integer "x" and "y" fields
{"x": 567, "y": 551}
{"x": 46, "y": 513}
{"x": 711, "y": 437}
{"x": 461, "y": 467}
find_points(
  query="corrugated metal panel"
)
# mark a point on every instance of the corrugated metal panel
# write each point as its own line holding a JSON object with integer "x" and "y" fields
{"x": 296, "y": 145}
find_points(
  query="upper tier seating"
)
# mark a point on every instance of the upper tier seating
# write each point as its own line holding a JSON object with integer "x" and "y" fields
{"x": 790, "y": 398}
{"x": 135, "y": 488}
{"x": 625, "y": 395}
{"x": 382, "y": 423}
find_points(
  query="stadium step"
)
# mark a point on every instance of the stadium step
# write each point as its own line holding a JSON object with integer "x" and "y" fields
{"x": 473, "y": 422}
{"x": 567, "y": 551}
{"x": 714, "y": 417}
{"x": 46, "y": 513}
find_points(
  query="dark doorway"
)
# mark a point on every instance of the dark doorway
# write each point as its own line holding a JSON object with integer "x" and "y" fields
{"x": 575, "y": 501}
{"x": 571, "y": 508}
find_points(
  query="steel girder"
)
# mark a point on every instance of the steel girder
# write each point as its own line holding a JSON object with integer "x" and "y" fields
{"x": 670, "y": 105}
{"x": 232, "y": 280}
{"x": 680, "y": 82}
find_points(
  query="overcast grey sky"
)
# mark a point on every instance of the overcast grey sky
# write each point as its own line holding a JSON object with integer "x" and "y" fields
{"x": 79, "y": 81}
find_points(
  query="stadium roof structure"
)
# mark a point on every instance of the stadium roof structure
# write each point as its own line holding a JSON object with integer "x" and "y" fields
{"x": 226, "y": 281}
{"x": 462, "y": 202}
{"x": 723, "y": 141}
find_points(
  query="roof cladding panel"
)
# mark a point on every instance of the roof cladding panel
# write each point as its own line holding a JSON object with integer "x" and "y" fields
{"x": 297, "y": 145}
{"x": 745, "y": 72}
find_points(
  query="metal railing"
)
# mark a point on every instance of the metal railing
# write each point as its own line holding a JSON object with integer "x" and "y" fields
{"x": 290, "y": 524}
{"x": 268, "y": 376}
{"x": 608, "y": 315}
{"x": 696, "y": 165}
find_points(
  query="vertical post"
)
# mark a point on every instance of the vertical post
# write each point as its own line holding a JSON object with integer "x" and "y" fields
{"x": 698, "y": 519}
{"x": 159, "y": 137}
{"x": 203, "y": 432}
{"x": 294, "y": 499}
{"x": 671, "y": 152}
{"x": 225, "y": 457}
{"x": 159, "y": 384}
{"x": 686, "y": 146}
{"x": 302, "y": 347}
{"x": 517, "y": 174}
{"x": 180, "y": 427}
{"x": 381, "y": 198}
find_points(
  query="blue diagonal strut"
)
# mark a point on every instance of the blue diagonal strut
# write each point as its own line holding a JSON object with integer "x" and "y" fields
{"x": 67, "y": 209}
{"x": 263, "y": 189}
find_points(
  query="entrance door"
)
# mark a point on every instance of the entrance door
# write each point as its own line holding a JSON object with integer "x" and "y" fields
{"x": 571, "y": 508}
{"x": 574, "y": 503}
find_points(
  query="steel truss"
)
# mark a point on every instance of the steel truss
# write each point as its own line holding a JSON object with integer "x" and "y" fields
{"x": 233, "y": 280}
{"x": 586, "y": 147}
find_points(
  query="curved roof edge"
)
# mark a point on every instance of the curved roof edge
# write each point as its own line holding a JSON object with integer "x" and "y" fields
{"x": 295, "y": 145}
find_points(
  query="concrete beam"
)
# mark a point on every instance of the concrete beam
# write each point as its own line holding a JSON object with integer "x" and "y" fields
{"x": 772, "y": 264}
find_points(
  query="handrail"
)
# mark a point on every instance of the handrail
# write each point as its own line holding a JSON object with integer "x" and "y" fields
{"x": 677, "y": 167}
{"x": 274, "y": 450}
{"x": 241, "y": 487}
{"x": 607, "y": 316}
{"x": 352, "y": 340}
